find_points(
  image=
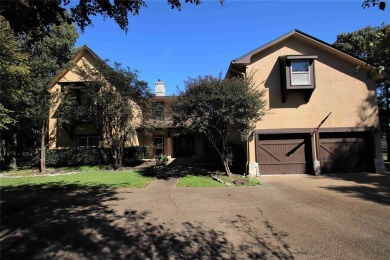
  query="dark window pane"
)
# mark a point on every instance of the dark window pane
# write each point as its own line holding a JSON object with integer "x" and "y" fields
{"x": 82, "y": 141}
{"x": 300, "y": 66}
{"x": 93, "y": 141}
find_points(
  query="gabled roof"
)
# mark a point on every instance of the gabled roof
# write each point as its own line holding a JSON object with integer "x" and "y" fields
{"x": 84, "y": 49}
{"x": 246, "y": 58}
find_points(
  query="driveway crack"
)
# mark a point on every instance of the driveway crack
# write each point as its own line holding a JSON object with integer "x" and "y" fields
{"x": 281, "y": 244}
{"x": 170, "y": 198}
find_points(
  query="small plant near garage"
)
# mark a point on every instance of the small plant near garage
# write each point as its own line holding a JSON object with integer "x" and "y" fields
{"x": 162, "y": 161}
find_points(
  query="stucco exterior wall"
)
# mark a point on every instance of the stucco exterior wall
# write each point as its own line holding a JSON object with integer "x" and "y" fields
{"x": 59, "y": 137}
{"x": 339, "y": 89}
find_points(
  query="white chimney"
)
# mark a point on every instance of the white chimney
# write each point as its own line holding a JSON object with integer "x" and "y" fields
{"x": 160, "y": 88}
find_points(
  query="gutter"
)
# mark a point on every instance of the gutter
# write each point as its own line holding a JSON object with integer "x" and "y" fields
{"x": 235, "y": 71}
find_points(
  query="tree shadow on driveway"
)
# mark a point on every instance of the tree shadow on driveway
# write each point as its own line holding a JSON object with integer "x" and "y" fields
{"x": 73, "y": 222}
{"x": 368, "y": 186}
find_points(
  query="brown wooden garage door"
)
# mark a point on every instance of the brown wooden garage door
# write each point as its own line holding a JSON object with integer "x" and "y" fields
{"x": 283, "y": 154}
{"x": 345, "y": 152}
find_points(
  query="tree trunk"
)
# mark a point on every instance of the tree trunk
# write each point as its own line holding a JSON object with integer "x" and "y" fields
{"x": 119, "y": 156}
{"x": 221, "y": 156}
{"x": 388, "y": 144}
{"x": 387, "y": 113}
{"x": 14, "y": 144}
{"x": 42, "y": 156}
{"x": 226, "y": 166}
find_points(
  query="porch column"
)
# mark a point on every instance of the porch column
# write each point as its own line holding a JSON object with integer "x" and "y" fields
{"x": 169, "y": 148}
{"x": 378, "y": 160}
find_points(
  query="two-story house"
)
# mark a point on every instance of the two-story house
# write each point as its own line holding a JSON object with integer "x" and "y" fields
{"x": 306, "y": 80}
{"x": 308, "y": 83}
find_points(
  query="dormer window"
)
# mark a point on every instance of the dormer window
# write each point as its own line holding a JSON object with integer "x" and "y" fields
{"x": 297, "y": 73}
{"x": 300, "y": 72}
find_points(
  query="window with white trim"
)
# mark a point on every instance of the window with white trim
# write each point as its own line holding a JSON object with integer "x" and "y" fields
{"x": 87, "y": 141}
{"x": 300, "y": 72}
{"x": 297, "y": 74}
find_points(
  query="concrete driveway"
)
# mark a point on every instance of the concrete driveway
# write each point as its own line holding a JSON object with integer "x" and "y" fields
{"x": 343, "y": 216}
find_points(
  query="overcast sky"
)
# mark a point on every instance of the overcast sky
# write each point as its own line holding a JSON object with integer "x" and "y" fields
{"x": 171, "y": 45}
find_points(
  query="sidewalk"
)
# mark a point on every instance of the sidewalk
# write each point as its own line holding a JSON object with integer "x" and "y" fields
{"x": 169, "y": 179}
{"x": 160, "y": 184}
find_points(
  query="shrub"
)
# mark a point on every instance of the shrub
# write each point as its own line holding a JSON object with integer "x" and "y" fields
{"x": 89, "y": 156}
{"x": 135, "y": 153}
{"x": 76, "y": 157}
{"x": 162, "y": 160}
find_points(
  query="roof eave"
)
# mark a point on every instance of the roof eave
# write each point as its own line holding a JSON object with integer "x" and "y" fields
{"x": 246, "y": 58}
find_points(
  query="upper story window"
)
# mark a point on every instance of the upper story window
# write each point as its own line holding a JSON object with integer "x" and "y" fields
{"x": 158, "y": 110}
{"x": 297, "y": 74}
{"x": 300, "y": 72}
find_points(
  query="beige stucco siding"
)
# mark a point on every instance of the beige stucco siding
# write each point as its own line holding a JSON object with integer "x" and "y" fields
{"x": 59, "y": 137}
{"x": 338, "y": 89}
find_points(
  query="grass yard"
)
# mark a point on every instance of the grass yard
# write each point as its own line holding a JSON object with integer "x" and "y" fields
{"x": 109, "y": 179}
{"x": 198, "y": 181}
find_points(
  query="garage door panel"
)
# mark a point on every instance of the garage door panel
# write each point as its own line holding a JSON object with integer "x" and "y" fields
{"x": 341, "y": 153}
{"x": 282, "y": 154}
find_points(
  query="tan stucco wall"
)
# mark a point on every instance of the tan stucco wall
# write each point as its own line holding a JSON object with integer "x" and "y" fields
{"x": 348, "y": 95}
{"x": 62, "y": 139}
{"x": 147, "y": 140}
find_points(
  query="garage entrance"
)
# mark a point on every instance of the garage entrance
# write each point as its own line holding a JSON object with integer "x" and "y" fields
{"x": 345, "y": 152}
{"x": 284, "y": 153}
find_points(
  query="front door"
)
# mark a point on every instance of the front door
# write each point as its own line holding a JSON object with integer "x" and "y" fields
{"x": 158, "y": 145}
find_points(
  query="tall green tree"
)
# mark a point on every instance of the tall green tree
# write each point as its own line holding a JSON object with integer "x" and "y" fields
{"x": 217, "y": 108}
{"x": 372, "y": 44}
{"x": 12, "y": 66}
{"x": 27, "y": 96}
{"x": 113, "y": 99}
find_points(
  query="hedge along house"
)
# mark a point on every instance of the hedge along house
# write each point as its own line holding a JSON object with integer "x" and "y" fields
{"x": 306, "y": 80}
{"x": 83, "y": 133}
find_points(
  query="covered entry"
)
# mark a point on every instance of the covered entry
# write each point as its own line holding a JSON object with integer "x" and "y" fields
{"x": 284, "y": 153}
{"x": 183, "y": 146}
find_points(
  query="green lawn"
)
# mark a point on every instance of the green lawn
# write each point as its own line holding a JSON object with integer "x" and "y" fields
{"x": 92, "y": 176}
{"x": 207, "y": 181}
{"x": 198, "y": 181}
{"x": 114, "y": 179}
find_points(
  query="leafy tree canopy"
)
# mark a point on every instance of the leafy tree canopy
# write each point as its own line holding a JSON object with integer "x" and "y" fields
{"x": 13, "y": 65}
{"x": 368, "y": 3}
{"x": 27, "y": 68}
{"x": 217, "y": 107}
{"x": 372, "y": 44}
{"x": 35, "y": 17}
{"x": 111, "y": 98}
